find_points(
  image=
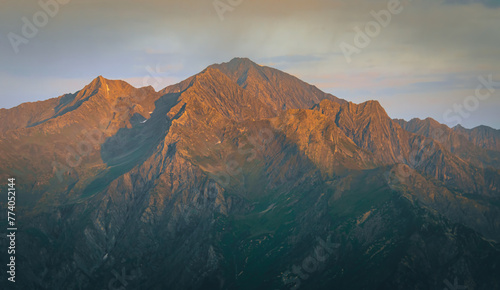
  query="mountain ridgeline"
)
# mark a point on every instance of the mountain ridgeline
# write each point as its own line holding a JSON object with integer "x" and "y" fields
{"x": 245, "y": 177}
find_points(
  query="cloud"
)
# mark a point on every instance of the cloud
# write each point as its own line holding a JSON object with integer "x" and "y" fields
{"x": 431, "y": 48}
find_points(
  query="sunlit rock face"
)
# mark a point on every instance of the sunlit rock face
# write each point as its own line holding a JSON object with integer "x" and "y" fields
{"x": 245, "y": 177}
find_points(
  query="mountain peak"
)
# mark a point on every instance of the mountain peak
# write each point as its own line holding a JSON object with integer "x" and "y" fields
{"x": 372, "y": 104}
{"x": 241, "y": 61}
{"x": 432, "y": 121}
{"x": 98, "y": 81}
{"x": 228, "y": 158}
{"x": 106, "y": 86}
{"x": 369, "y": 107}
{"x": 236, "y": 66}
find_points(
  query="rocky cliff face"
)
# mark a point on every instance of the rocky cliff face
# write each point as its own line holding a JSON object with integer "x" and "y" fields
{"x": 244, "y": 177}
{"x": 460, "y": 141}
{"x": 482, "y": 136}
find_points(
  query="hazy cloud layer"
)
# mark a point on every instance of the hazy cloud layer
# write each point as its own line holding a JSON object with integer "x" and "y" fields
{"x": 427, "y": 59}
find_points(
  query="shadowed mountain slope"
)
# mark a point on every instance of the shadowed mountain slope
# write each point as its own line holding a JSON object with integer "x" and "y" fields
{"x": 232, "y": 179}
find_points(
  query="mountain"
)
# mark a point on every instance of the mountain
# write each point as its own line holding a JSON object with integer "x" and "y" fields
{"x": 244, "y": 177}
{"x": 476, "y": 146}
{"x": 482, "y": 136}
{"x": 277, "y": 89}
{"x": 61, "y": 141}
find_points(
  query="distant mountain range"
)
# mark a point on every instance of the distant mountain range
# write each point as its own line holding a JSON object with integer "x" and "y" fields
{"x": 245, "y": 177}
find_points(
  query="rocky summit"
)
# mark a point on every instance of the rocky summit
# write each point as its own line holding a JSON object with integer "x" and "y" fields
{"x": 245, "y": 177}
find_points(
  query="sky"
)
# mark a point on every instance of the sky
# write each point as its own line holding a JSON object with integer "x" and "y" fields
{"x": 419, "y": 58}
